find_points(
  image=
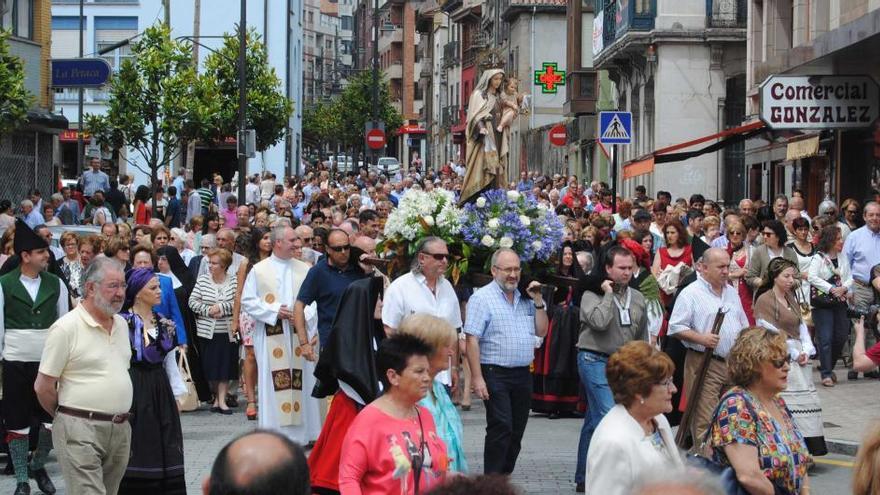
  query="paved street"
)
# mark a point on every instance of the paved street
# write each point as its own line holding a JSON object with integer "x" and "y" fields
{"x": 548, "y": 458}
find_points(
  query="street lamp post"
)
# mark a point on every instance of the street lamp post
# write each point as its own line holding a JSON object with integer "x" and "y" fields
{"x": 375, "y": 73}
{"x": 242, "y": 102}
{"x": 79, "y": 132}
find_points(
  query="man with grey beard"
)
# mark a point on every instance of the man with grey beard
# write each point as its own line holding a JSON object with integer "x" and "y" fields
{"x": 87, "y": 356}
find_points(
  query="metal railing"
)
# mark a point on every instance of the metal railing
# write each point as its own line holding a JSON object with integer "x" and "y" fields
{"x": 450, "y": 53}
{"x": 450, "y": 116}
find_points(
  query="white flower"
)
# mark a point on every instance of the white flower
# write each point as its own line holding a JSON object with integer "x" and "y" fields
{"x": 526, "y": 221}
{"x": 428, "y": 220}
{"x": 506, "y": 242}
{"x": 537, "y": 245}
{"x": 481, "y": 202}
{"x": 488, "y": 240}
{"x": 513, "y": 195}
{"x": 493, "y": 223}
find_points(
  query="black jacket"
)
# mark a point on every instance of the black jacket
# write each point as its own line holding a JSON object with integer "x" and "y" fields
{"x": 349, "y": 354}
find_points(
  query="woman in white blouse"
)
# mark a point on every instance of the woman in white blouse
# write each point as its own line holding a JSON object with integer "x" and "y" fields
{"x": 634, "y": 438}
{"x": 211, "y": 301}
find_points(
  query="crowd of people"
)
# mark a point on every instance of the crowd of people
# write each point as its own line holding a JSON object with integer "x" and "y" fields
{"x": 662, "y": 313}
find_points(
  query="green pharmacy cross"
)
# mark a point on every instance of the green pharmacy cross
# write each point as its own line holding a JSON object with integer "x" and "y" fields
{"x": 549, "y": 77}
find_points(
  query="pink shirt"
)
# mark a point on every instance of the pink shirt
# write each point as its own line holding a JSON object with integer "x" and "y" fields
{"x": 230, "y": 217}
{"x": 377, "y": 454}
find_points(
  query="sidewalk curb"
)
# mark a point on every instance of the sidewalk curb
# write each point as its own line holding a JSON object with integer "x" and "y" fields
{"x": 843, "y": 447}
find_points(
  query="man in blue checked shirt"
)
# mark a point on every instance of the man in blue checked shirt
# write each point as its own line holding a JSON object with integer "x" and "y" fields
{"x": 501, "y": 327}
{"x": 862, "y": 250}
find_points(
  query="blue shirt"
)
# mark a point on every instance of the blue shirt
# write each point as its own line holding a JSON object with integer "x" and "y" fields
{"x": 325, "y": 284}
{"x": 862, "y": 249}
{"x": 168, "y": 306}
{"x": 506, "y": 331}
{"x": 34, "y": 218}
{"x": 94, "y": 181}
{"x": 179, "y": 185}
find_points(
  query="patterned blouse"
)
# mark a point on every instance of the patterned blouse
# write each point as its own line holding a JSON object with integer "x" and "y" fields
{"x": 782, "y": 453}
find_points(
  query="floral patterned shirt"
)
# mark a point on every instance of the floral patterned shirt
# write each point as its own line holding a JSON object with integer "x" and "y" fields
{"x": 782, "y": 453}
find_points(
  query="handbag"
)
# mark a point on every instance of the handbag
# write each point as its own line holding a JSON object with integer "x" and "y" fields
{"x": 190, "y": 401}
{"x": 825, "y": 300}
{"x": 806, "y": 309}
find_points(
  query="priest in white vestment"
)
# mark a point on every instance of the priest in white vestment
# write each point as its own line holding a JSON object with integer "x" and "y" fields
{"x": 285, "y": 360}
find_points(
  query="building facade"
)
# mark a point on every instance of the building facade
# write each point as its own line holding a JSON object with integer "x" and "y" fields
{"x": 107, "y": 23}
{"x": 679, "y": 67}
{"x": 28, "y": 153}
{"x": 812, "y": 38}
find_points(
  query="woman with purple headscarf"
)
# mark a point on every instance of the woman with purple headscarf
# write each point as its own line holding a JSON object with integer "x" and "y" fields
{"x": 156, "y": 462}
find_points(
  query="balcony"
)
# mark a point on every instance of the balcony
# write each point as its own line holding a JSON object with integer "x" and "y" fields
{"x": 450, "y": 54}
{"x": 394, "y": 71}
{"x": 726, "y": 14}
{"x": 390, "y": 34}
{"x": 637, "y": 15}
{"x": 450, "y": 116}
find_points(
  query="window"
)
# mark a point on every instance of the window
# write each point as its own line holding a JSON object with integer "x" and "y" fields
{"x": 19, "y": 18}
{"x": 65, "y": 36}
{"x": 346, "y": 23}
{"x": 111, "y": 30}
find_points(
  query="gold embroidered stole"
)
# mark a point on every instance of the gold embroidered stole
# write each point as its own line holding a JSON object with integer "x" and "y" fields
{"x": 285, "y": 360}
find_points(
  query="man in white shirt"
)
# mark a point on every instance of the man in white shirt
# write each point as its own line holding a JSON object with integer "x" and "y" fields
{"x": 691, "y": 322}
{"x": 425, "y": 290}
{"x": 252, "y": 191}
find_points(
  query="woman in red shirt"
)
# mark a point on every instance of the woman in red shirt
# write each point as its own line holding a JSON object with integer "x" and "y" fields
{"x": 677, "y": 251}
{"x": 392, "y": 447}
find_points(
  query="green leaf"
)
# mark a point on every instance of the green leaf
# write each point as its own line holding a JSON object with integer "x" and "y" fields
{"x": 15, "y": 100}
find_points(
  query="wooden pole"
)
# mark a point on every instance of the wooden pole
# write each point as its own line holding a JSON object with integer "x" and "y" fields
{"x": 693, "y": 395}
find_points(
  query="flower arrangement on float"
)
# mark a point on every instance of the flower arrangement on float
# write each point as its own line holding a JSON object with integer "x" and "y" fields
{"x": 496, "y": 219}
{"x": 423, "y": 214}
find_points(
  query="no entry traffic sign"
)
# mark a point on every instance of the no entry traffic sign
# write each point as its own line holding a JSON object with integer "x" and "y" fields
{"x": 558, "y": 135}
{"x": 376, "y": 139}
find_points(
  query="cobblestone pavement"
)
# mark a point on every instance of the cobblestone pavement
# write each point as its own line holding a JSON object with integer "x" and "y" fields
{"x": 546, "y": 464}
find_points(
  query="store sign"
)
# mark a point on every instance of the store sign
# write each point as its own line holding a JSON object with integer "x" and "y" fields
{"x": 549, "y": 77}
{"x": 819, "y": 102}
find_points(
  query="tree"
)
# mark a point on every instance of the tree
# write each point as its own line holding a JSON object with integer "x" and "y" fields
{"x": 355, "y": 109}
{"x": 321, "y": 122}
{"x": 157, "y": 101}
{"x": 14, "y": 98}
{"x": 268, "y": 109}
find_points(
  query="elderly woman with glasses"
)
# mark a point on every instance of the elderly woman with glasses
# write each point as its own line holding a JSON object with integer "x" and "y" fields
{"x": 753, "y": 431}
{"x": 634, "y": 439}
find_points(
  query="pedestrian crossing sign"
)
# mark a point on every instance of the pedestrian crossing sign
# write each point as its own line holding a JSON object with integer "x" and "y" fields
{"x": 615, "y": 127}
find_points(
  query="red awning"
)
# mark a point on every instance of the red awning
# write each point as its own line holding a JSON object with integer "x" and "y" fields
{"x": 645, "y": 164}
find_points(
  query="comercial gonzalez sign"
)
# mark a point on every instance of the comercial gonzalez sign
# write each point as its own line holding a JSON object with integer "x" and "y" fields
{"x": 819, "y": 102}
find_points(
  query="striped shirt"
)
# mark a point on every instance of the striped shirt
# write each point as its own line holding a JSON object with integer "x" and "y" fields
{"x": 695, "y": 309}
{"x": 207, "y": 293}
{"x": 206, "y": 196}
{"x": 506, "y": 331}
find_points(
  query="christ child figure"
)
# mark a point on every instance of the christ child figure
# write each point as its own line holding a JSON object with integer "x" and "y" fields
{"x": 511, "y": 99}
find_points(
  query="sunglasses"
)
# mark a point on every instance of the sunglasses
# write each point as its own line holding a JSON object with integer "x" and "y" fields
{"x": 768, "y": 234}
{"x": 735, "y": 232}
{"x": 438, "y": 256}
{"x": 307, "y": 239}
{"x": 779, "y": 363}
{"x": 340, "y": 249}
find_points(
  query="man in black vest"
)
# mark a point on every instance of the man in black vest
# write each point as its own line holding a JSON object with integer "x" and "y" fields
{"x": 31, "y": 299}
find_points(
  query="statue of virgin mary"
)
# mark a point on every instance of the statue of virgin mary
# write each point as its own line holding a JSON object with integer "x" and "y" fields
{"x": 485, "y": 166}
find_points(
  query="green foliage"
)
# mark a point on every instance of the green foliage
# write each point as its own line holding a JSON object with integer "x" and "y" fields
{"x": 342, "y": 120}
{"x": 157, "y": 101}
{"x": 355, "y": 107}
{"x": 14, "y": 98}
{"x": 268, "y": 109}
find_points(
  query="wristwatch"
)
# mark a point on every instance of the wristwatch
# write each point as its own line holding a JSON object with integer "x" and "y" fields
{"x": 541, "y": 306}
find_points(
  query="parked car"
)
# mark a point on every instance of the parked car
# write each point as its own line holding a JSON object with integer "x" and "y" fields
{"x": 388, "y": 165}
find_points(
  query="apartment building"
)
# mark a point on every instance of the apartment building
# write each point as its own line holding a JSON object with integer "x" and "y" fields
{"x": 679, "y": 66}
{"x": 812, "y": 38}
{"x": 27, "y": 154}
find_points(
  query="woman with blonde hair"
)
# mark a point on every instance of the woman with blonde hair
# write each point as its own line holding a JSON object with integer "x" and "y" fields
{"x": 442, "y": 338}
{"x": 866, "y": 472}
{"x": 752, "y": 429}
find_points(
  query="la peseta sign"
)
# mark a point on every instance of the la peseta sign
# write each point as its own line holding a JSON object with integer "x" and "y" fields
{"x": 819, "y": 102}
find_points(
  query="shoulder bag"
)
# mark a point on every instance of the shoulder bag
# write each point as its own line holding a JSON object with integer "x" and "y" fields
{"x": 190, "y": 401}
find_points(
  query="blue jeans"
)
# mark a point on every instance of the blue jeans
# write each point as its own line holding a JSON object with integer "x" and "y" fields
{"x": 832, "y": 330}
{"x": 591, "y": 369}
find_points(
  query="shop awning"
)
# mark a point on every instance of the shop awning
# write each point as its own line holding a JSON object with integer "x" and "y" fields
{"x": 645, "y": 164}
{"x": 802, "y": 148}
